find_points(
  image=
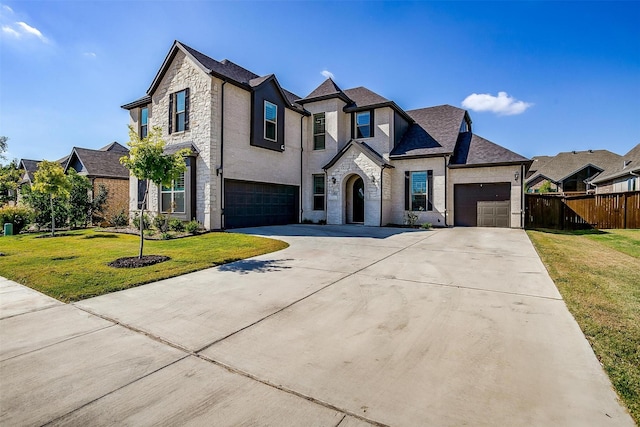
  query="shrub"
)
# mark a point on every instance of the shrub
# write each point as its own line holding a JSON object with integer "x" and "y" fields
{"x": 120, "y": 219}
{"x": 160, "y": 223}
{"x": 136, "y": 221}
{"x": 322, "y": 222}
{"x": 165, "y": 236}
{"x": 426, "y": 225}
{"x": 176, "y": 225}
{"x": 192, "y": 227}
{"x": 19, "y": 216}
{"x": 411, "y": 218}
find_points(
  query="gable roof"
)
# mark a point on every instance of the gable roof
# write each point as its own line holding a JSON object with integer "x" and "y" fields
{"x": 630, "y": 163}
{"x": 225, "y": 70}
{"x": 115, "y": 146}
{"x": 99, "y": 163}
{"x": 366, "y": 99}
{"x": 568, "y": 163}
{"x": 435, "y": 132}
{"x": 473, "y": 150}
{"x": 30, "y": 167}
{"x": 537, "y": 162}
{"x": 363, "y": 148}
{"x": 287, "y": 96}
{"x": 327, "y": 89}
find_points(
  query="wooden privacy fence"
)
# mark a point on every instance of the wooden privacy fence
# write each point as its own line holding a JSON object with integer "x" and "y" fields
{"x": 564, "y": 212}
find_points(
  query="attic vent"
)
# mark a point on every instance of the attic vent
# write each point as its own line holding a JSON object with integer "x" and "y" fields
{"x": 626, "y": 163}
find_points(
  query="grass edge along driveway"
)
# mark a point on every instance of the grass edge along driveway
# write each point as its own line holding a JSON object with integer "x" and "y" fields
{"x": 74, "y": 267}
{"x": 598, "y": 275}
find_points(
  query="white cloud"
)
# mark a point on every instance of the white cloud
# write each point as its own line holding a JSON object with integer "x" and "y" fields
{"x": 7, "y": 8}
{"x": 503, "y": 104}
{"x": 28, "y": 29}
{"x": 327, "y": 74}
{"x": 8, "y": 30}
{"x": 90, "y": 54}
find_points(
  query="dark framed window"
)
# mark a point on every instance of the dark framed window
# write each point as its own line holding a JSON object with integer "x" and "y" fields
{"x": 179, "y": 111}
{"x": 142, "y": 189}
{"x": 144, "y": 122}
{"x": 270, "y": 121}
{"x": 318, "y": 131}
{"x": 420, "y": 194}
{"x": 318, "y": 192}
{"x": 173, "y": 197}
{"x": 363, "y": 124}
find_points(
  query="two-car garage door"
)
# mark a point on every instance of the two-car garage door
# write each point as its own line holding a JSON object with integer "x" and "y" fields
{"x": 482, "y": 205}
{"x": 252, "y": 204}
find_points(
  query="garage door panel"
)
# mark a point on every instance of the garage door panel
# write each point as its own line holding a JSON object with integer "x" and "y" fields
{"x": 252, "y": 204}
{"x": 482, "y": 205}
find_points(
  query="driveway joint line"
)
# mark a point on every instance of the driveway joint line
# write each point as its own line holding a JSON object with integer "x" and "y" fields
{"x": 115, "y": 390}
{"x": 35, "y": 310}
{"x": 453, "y": 285}
{"x": 59, "y": 342}
{"x": 309, "y": 295}
{"x": 290, "y": 391}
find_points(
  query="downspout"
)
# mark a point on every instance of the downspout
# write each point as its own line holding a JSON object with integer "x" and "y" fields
{"x": 301, "y": 163}
{"x": 381, "y": 193}
{"x": 522, "y": 196}
{"x": 446, "y": 188}
{"x": 221, "y": 168}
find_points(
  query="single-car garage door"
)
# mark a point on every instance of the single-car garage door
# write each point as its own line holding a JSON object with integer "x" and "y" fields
{"x": 252, "y": 204}
{"x": 482, "y": 205}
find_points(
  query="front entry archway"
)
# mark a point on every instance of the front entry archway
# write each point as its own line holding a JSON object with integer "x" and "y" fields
{"x": 357, "y": 201}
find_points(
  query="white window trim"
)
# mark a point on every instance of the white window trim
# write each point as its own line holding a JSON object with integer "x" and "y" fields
{"x": 176, "y": 112}
{"x": 275, "y": 122}
{"x": 173, "y": 192}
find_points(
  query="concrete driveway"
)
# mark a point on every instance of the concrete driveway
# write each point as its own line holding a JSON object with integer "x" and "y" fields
{"x": 349, "y": 326}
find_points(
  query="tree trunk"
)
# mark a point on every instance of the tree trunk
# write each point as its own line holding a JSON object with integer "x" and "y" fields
{"x": 144, "y": 203}
{"x": 53, "y": 217}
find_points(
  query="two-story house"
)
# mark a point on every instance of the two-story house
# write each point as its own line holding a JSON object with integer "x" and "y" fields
{"x": 261, "y": 155}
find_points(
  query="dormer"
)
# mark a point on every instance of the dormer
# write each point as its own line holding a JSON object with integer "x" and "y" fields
{"x": 465, "y": 126}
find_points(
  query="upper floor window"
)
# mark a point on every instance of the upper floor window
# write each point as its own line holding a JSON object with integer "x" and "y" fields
{"x": 318, "y": 192}
{"x": 465, "y": 126}
{"x": 179, "y": 111}
{"x": 270, "y": 121}
{"x": 173, "y": 197}
{"x": 144, "y": 122}
{"x": 363, "y": 125}
{"x": 318, "y": 131}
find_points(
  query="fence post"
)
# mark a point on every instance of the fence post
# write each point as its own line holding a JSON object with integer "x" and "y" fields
{"x": 624, "y": 207}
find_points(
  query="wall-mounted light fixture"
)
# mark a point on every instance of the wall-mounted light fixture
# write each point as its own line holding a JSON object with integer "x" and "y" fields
{"x": 333, "y": 179}
{"x": 516, "y": 174}
{"x": 373, "y": 178}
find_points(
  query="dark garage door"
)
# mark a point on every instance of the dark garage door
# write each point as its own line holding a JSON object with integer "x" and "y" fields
{"x": 470, "y": 209}
{"x": 251, "y": 204}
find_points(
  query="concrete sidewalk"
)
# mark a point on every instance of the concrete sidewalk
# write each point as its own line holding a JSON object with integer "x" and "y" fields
{"x": 348, "y": 326}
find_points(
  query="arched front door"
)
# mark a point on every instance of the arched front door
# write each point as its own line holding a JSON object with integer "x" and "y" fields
{"x": 358, "y": 200}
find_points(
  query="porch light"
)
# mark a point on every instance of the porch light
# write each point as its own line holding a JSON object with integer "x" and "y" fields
{"x": 373, "y": 178}
{"x": 333, "y": 179}
{"x": 516, "y": 175}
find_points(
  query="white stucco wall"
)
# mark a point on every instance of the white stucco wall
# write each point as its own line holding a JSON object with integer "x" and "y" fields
{"x": 382, "y": 140}
{"x": 492, "y": 174}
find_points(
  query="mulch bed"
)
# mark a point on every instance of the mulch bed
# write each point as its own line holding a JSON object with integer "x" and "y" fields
{"x": 135, "y": 262}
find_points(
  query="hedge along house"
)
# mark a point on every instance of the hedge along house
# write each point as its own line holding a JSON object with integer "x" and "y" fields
{"x": 261, "y": 155}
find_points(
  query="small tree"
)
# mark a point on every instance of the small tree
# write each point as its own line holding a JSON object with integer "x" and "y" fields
{"x": 147, "y": 162}
{"x": 79, "y": 203}
{"x": 10, "y": 177}
{"x": 3, "y": 146}
{"x": 545, "y": 187}
{"x": 50, "y": 179}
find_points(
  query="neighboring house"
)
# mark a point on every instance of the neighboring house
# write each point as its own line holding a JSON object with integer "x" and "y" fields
{"x": 103, "y": 168}
{"x": 623, "y": 176}
{"x": 570, "y": 171}
{"x": 261, "y": 155}
{"x": 30, "y": 167}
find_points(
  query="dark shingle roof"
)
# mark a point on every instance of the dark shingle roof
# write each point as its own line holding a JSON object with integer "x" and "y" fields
{"x": 363, "y": 97}
{"x": 566, "y": 164}
{"x": 365, "y": 149}
{"x": 224, "y": 68}
{"x": 435, "y": 132}
{"x": 327, "y": 89}
{"x": 99, "y": 163}
{"x": 630, "y": 163}
{"x": 115, "y": 146}
{"x": 30, "y": 167}
{"x": 474, "y": 150}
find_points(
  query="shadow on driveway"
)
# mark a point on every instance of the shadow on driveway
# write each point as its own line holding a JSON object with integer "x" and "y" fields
{"x": 254, "y": 265}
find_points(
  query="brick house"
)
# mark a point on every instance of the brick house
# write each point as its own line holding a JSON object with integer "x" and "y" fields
{"x": 621, "y": 176}
{"x": 262, "y": 155}
{"x": 102, "y": 167}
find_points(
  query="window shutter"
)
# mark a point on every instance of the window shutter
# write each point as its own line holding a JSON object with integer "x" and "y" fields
{"x": 170, "y": 113}
{"x": 353, "y": 125}
{"x": 372, "y": 122}
{"x": 186, "y": 109}
{"x": 429, "y": 190}
{"x": 407, "y": 190}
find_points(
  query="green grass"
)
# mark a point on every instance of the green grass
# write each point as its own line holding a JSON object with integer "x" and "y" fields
{"x": 598, "y": 275}
{"x": 74, "y": 267}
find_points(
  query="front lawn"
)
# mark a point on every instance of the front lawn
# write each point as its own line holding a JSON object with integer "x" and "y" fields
{"x": 74, "y": 267}
{"x": 598, "y": 275}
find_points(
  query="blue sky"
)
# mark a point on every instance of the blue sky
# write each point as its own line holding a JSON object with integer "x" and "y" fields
{"x": 536, "y": 77}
